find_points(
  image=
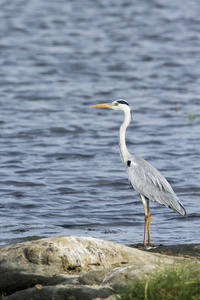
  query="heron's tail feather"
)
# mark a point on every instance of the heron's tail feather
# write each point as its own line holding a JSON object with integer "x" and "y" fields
{"x": 178, "y": 207}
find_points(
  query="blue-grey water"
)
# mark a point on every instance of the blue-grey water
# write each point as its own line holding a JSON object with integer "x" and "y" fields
{"x": 60, "y": 169}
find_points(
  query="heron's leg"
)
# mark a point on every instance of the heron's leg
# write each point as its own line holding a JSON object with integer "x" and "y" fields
{"x": 149, "y": 222}
{"x": 146, "y": 218}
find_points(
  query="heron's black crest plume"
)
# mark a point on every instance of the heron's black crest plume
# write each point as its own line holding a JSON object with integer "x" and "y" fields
{"x": 123, "y": 102}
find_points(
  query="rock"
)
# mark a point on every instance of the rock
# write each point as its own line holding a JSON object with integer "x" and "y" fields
{"x": 63, "y": 293}
{"x": 116, "y": 277}
{"x": 69, "y": 254}
{"x": 65, "y": 266}
{"x": 95, "y": 277}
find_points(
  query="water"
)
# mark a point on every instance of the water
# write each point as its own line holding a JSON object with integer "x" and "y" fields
{"x": 60, "y": 170}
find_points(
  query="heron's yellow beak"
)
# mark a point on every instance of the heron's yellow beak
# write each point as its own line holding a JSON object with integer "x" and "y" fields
{"x": 103, "y": 105}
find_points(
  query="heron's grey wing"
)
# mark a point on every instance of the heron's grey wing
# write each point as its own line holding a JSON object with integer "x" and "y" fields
{"x": 149, "y": 182}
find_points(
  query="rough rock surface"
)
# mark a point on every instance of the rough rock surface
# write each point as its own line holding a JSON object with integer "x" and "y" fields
{"x": 69, "y": 267}
{"x": 69, "y": 292}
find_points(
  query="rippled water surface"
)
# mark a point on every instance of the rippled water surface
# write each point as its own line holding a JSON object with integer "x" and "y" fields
{"x": 60, "y": 169}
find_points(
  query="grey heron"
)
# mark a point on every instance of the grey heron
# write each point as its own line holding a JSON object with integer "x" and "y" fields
{"x": 144, "y": 178}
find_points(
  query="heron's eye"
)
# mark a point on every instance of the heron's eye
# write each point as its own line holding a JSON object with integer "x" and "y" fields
{"x": 116, "y": 103}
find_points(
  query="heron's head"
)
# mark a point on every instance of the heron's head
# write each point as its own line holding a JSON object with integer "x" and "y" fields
{"x": 120, "y": 104}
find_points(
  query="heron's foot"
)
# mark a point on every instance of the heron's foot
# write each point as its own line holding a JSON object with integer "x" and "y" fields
{"x": 149, "y": 245}
{"x": 143, "y": 246}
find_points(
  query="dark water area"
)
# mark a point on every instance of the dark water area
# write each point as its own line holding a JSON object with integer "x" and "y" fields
{"x": 60, "y": 169}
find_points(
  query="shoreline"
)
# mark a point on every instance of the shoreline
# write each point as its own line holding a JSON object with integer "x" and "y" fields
{"x": 182, "y": 250}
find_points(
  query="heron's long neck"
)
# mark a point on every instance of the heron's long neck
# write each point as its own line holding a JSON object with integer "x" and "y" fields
{"x": 122, "y": 132}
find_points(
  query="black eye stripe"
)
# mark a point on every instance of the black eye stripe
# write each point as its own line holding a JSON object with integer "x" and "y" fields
{"x": 122, "y": 102}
